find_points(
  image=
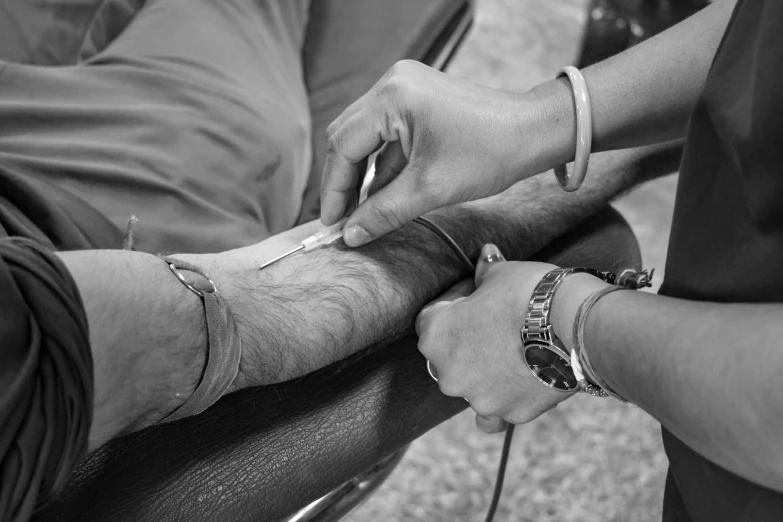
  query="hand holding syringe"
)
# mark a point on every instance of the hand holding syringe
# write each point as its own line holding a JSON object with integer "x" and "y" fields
{"x": 325, "y": 236}
{"x": 330, "y": 234}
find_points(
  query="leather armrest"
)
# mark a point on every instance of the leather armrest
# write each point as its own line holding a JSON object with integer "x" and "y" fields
{"x": 260, "y": 454}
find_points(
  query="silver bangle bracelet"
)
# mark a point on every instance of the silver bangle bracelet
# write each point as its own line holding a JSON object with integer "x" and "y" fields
{"x": 579, "y": 353}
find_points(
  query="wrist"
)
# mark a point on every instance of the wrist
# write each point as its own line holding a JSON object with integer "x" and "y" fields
{"x": 226, "y": 270}
{"x": 554, "y": 137}
{"x": 570, "y": 294}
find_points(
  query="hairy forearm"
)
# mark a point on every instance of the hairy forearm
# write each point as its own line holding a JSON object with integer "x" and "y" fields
{"x": 644, "y": 95}
{"x": 314, "y": 308}
{"x": 709, "y": 372}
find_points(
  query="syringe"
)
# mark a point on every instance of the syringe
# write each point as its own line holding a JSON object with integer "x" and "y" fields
{"x": 325, "y": 236}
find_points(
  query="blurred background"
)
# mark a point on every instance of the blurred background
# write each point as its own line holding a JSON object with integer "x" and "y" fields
{"x": 588, "y": 460}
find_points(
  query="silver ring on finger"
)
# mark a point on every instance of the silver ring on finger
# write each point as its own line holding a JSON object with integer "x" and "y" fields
{"x": 432, "y": 371}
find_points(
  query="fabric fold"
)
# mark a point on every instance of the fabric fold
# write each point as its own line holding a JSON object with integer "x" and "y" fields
{"x": 46, "y": 377}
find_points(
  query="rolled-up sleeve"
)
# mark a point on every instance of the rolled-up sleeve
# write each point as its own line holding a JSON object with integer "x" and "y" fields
{"x": 46, "y": 372}
{"x": 46, "y": 377}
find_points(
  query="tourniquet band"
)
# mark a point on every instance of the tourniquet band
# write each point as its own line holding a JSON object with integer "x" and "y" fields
{"x": 224, "y": 345}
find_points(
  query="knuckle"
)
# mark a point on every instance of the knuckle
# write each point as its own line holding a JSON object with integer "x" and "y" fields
{"x": 387, "y": 214}
{"x": 431, "y": 339}
{"x": 408, "y": 67}
{"x": 400, "y": 68}
{"x": 427, "y": 343}
{"x": 401, "y": 80}
{"x": 333, "y": 142}
{"x": 484, "y": 406}
{"x": 395, "y": 88}
{"x": 330, "y": 130}
{"x": 450, "y": 387}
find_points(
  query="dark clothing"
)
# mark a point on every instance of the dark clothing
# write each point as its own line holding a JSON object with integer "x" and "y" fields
{"x": 46, "y": 375}
{"x": 727, "y": 235}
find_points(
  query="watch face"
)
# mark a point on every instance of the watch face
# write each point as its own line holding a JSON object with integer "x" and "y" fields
{"x": 549, "y": 367}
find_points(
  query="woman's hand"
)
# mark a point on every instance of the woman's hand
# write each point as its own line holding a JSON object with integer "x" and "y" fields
{"x": 473, "y": 341}
{"x": 447, "y": 141}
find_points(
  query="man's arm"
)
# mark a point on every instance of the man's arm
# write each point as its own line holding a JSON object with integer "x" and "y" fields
{"x": 148, "y": 338}
{"x": 312, "y": 309}
{"x": 709, "y": 372}
{"x": 148, "y": 334}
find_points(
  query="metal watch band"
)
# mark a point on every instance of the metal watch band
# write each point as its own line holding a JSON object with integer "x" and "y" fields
{"x": 536, "y": 326}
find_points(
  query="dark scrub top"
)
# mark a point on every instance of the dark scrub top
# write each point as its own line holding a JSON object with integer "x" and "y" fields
{"x": 727, "y": 234}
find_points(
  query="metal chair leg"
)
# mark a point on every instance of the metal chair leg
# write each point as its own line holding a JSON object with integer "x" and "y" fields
{"x": 343, "y": 500}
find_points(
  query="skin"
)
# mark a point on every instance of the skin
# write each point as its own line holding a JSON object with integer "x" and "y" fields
{"x": 513, "y": 394}
{"x": 438, "y": 132}
{"x": 148, "y": 332}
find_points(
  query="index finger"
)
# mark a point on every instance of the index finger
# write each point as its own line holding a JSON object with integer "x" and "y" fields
{"x": 347, "y": 148}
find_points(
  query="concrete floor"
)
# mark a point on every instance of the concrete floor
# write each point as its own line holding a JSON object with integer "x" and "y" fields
{"x": 589, "y": 460}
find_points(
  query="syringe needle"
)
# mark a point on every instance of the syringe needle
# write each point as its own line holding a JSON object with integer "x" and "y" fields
{"x": 278, "y": 258}
{"x": 325, "y": 236}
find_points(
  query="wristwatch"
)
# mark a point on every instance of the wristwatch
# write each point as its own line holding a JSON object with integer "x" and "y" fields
{"x": 543, "y": 353}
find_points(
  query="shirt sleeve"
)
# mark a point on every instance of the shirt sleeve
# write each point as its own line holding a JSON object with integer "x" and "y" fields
{"x": 46, "y": 377}
{"x": 46, "y": 372}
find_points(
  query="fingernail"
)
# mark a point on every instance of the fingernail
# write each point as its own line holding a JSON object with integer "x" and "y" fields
{"x": 355, "y": 236}
{"x": 491, "y": 254}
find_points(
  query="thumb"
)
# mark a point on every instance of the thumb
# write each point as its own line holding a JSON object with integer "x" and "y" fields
{"x": 386, "y": 210}
{"x": 490, "y": 255}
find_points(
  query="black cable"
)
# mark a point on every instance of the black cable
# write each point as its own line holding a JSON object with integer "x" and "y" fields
{"x": 501, "y": 473}
{"x": 510, "y": 428}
